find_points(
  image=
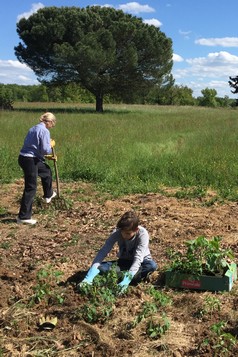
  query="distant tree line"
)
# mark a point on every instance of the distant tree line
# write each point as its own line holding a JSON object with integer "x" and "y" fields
{"x": 6, "y": 97}
{"x": 73, "y": 93}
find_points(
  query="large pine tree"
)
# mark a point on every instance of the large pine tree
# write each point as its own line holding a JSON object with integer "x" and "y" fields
{"x": 104, "y": 50}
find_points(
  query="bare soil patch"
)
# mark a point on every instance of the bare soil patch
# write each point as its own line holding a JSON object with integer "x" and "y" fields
{"x": 68, "y": 240}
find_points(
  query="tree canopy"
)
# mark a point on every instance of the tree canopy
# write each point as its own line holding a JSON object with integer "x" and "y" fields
{"x": 233, "y": 82}
{"x": 209, "y": 97}
{"x": 104, "y": 50}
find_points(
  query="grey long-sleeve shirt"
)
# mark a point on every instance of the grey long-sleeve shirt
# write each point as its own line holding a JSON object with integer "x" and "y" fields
{"x": 135, "y": 249}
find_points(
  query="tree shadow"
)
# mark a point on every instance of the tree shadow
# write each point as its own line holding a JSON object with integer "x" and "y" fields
{"x": 72, "y": 110}
{"x": 58, "y": 110}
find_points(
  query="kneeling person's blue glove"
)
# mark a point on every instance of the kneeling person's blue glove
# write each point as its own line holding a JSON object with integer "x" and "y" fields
{"x": 125, "y": 282}
{"x": 93, "y": 271}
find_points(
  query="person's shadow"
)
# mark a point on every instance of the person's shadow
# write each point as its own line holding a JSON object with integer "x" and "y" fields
{"x": 74, "y": 279}
{"x": 7, "y": 218}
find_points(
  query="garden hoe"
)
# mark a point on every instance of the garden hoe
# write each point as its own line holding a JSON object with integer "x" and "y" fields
{"x": 58, "y": 202}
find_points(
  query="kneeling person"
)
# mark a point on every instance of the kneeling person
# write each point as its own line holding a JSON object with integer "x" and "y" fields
{"x": 134, "y": 253}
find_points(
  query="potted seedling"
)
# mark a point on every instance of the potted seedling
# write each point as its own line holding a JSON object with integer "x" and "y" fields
{"x": 205, "y": 265}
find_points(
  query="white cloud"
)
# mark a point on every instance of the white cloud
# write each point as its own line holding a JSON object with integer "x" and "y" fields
{"x": 14, "y": 72}
{"x": 153, "y": 22}
{"x": 12, "y": 64}
{"x": 215, "y": 65}
{"x": 218, "y": 84}
{"x": 34, "y": 8}
{"x": 24, "y": 79}
{"x": 106, "y": 5}
{"x": 215, "y": 59}
{"x": 185, "y": 34}
{"x": 135, "y": 8}
{"x": 212, "y": 71}
{"x": 177, "y": 58}
{"x": 223, "y": 41}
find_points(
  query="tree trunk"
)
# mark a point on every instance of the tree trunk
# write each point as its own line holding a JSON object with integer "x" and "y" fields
{"x": 99, "y": 103}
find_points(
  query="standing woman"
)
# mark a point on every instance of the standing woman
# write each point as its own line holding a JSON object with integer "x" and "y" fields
{"x": 31, "y": 159}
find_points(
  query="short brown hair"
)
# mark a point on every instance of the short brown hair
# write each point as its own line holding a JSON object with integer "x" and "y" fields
{"x": 129, "y": 220}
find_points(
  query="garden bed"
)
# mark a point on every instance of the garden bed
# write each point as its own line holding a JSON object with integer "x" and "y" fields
{"x": 41, "y": 265}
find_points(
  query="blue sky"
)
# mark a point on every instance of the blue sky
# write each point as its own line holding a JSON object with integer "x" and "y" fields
{"x": 204, "y": 35}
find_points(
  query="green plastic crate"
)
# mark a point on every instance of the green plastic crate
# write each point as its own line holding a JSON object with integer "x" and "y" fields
{"x": 176, "y": 279}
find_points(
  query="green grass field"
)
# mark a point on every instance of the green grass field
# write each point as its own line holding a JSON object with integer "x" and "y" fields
{"x": 132, "y": 149}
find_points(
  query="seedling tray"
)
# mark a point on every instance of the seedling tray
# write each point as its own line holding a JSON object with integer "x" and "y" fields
{"x": 176, "y": 279}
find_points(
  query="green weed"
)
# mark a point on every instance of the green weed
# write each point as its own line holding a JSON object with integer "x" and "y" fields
{"x": 148, "y": 309}
{"x": 5, "y": 245}
{"x": 156, "y": 323}
{"x": 2, "y": 210}
{"x": 193, "y": 192}
{"x": 1, "y": 351}
{"x": 46, "y": 287}
{"x": 220, "y": 341}
{"x": 212, "y": 201}
{"x": 160, "y": 298}
{"x": 211, "y": 305}
{"x": 157, "y": 326}
{"x": 74, "y": 240}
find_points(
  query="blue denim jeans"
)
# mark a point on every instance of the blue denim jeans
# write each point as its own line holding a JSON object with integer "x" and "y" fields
{"x": 147, "y": 266}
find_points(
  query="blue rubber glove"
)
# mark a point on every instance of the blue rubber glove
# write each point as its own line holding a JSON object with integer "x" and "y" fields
{"x": 125, "y": 282}
{"x": 93, "y": 271}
